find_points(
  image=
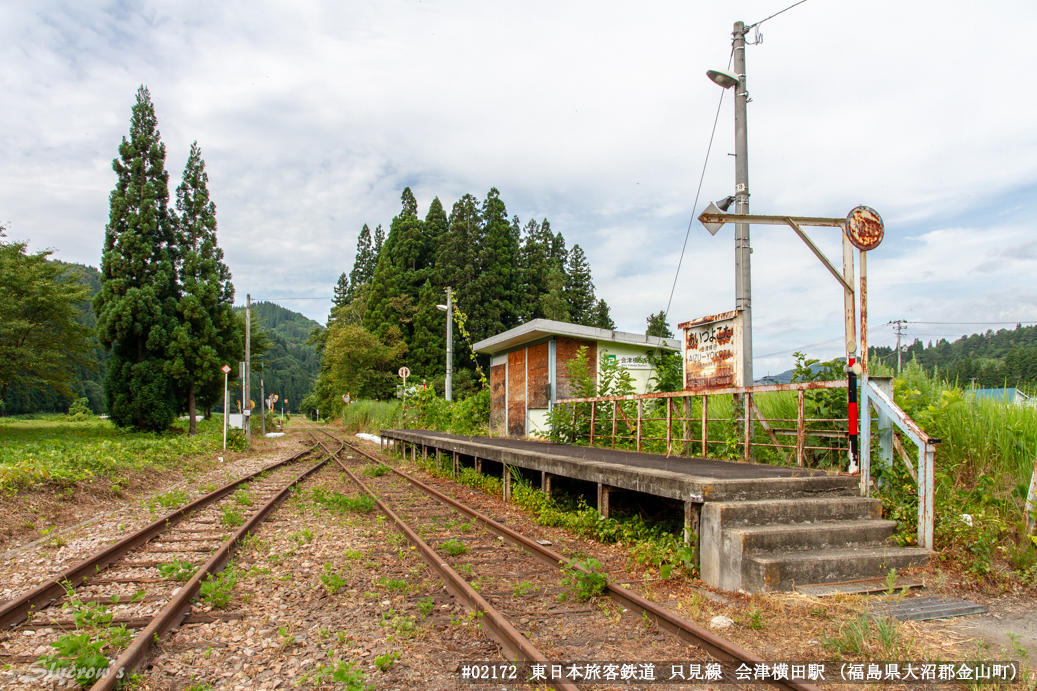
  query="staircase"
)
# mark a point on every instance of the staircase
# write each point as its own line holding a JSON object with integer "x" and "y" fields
{"x": 778, "y": 544}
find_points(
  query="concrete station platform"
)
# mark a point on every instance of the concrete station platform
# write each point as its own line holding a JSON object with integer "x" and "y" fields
{"x": 682, "y": 478}
{"x": 757, "y": 527}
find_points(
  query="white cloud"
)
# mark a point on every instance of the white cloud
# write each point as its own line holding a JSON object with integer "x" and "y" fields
{"x": 313, "y": 116}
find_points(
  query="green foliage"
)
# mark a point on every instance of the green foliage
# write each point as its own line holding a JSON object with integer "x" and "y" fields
{"x": 231, "y": 517}
{"x": 344, "y": 673}
{"x": 205, "y": 334}
{"x": 386, "y": 661}
{"x": 243, "y": 496}
{"x": 331, "y": 580}
{"x": 336, "y": 502}
{"x": 136, "y": 308}
{"x": 583, "y": 579}
{"x": 176, "y": 570}
{"x": 170, "y": 500}
{"x": 61, "y": 454}
{"x": 82, "y": 653}
{"x": 217, "y": 591}
{"x": 579, "y": 288}
{"x": 455, "y": 547}
{"x": 392, "y": 584}
{"x": 658, "y": 326}
{"x": 376, "y": 470}
{"x": 371, "y": 416}
{"x": 41, "y": 338}
{"x": 611, "y": 380}
{"x": 425, "y": 606}
{"x": 80, "y": 411}
{"x": 468, "y": 416}
{"x": 866, "y": 637}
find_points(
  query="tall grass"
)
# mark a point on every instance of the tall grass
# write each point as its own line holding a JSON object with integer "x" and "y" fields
{"x": 371, "y": 416}
{"x": 57, "y": 452}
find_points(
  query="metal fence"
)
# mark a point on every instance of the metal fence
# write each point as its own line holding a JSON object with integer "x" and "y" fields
{"x": 626, "y": 421}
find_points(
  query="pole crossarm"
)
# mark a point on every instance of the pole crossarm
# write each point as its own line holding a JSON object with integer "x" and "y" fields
{"x": 759, "y": 219}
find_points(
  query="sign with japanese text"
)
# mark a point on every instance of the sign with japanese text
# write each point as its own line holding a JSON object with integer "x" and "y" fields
{"x": 712, "y": 351}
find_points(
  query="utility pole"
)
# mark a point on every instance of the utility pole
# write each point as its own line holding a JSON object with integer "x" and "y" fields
{"x": 247, "y": 392}
{"x": 743, "y": 285}
{"x": 449, "y": 386}
{"x": 262, "y": 404}
{"x": 898, "y": 324}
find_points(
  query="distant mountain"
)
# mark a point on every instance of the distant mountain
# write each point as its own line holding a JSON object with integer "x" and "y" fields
{"x": 291, "y": 366}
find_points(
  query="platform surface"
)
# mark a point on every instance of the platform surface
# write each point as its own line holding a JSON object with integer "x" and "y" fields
{"x": 688, "y": 465}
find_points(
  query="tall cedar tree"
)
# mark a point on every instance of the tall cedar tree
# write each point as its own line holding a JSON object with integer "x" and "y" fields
{"x": 42, "y": 341}
{"x": 379, "y": 240}
{"x": 393, "y": 290}
{"x": 579, "y": 288}
{"x": 342, "y": 290}
{"x": 456, "y": 261}
{"x": 363, "y": 265}
{"x": 496, "y": 290}
{"x": 207, "y": 334}
{"x": 427, "y": 353}
{"x": 137, "y": 306}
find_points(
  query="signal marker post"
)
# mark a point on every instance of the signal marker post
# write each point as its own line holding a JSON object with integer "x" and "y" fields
{"x": 226, "y": 403}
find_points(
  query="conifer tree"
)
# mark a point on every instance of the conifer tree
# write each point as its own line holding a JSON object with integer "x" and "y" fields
{"x": 379, "y": 240}
{"x": 363, "y": 263}
{"x": 136, "y": 307}
{"x": 658, "y": 325}
{"x": 603, "y": 316}
{"x": 427, "y": 355}
{"x": 435, "y": 229}
{"x": 206, "y": 334}
{"x": 342, "y": 291}
{"x": 552, "y": 303}
{"x": 393, "y": 295}
{"x": 496, "y": 287}
{"x": 579, "y": 288}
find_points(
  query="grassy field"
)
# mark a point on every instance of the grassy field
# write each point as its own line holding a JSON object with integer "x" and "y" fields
{"x": 57, "y": 452}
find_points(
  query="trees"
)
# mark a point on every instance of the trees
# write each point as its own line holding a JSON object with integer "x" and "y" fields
{"x": 602, "y": 316}
{"x": 496, "y": 285}
{"x": 363, "y": 265}
{"x": 41, "y": 339}
{"x": 205, "y": 334}
{"x": 579, "y": 288}
{"x": 342, "y": 290}
{"x": 428, "y": 344}
{"x": 658, "y": 325}
{"x": 137, "y": 306}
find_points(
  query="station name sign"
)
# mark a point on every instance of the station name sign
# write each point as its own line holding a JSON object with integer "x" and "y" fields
{"x": 712, "y": 349}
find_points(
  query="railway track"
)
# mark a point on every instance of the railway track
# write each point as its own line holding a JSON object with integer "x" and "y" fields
{"x": 513, "y": 583}
{"x": 146, "y": 583}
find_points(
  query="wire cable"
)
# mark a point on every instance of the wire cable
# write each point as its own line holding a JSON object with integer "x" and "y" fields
{"x": 698, "y": 192}
{"x": 775, "y": 15}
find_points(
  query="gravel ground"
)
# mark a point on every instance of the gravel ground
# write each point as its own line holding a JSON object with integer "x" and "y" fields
{"x": 26, "y": 567}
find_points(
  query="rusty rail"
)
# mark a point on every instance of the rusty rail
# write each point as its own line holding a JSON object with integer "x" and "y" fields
{"x": 180, "y": 605}
{"x": 686, "y": 630}
{"x": 15, "y": 611}
{"x": 506, "y": 633}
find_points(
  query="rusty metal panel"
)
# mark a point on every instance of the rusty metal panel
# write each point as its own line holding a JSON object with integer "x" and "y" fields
{"x": 498, "y": 400}
{"x": 712, "y": 351}
{"x": 539, "y": 384}
{"x": 565, "y": 350}
{"x": 517, "y": 393}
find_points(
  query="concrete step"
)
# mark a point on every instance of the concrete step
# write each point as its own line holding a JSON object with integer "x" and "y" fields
{"x": 798, "y": 537}
{"x": 804, "y": 486}
{"x": 772, "y": 571}
{"x": 737, "y": 514}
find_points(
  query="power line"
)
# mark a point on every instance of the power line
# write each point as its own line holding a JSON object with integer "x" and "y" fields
{"x": 753, "y": 26}
{"x": 695, "y": 204}
{"x": 1014, "y": 321}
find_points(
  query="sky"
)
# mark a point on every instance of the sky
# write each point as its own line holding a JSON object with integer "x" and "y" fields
{"x": 313, "y": 116}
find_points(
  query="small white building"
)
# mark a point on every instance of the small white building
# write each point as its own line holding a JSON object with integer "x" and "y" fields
{"x": 528, "y": 367}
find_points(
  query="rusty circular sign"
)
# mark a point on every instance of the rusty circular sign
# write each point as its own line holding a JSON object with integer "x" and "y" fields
{"x": 404, "y": 372}
{"x": 864, "y": 228}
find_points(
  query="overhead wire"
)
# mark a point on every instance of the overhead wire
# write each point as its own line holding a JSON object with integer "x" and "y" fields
{"x": 698, "y": 192}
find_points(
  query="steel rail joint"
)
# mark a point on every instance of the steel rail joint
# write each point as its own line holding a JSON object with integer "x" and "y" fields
{"x": 16, "y": 611}
{"x": 510, "y": 637}
{"x": 179, "y": 606}
{"x": 683, "y": 628}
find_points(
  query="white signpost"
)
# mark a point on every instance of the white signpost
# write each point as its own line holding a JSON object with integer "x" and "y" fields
{"x": 226, "y": 393}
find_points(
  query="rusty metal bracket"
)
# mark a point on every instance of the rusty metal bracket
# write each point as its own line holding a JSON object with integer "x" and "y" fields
{"x": 819, "y": 254}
